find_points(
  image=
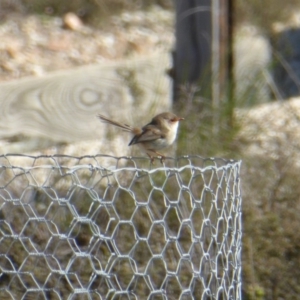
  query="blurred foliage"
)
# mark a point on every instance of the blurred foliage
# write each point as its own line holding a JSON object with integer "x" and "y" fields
{"x": 270, "y": 188}
{"x": 271, "y": 257}
{"x": 207, "y": 130}
{"x": 271, "y": 192}
{"x": 264, "y": 14}
{"x": 260, "y": 13}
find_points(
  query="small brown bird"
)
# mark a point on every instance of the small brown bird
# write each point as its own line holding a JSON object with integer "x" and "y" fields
{"x": 159, "y": 133}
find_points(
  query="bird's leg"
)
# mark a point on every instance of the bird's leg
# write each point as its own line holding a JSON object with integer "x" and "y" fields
{"x": 162, "y": 157}
{"x": 151, "y": 158}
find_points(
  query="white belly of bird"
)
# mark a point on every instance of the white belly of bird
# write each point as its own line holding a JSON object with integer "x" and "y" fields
{"x": 164, "y": 142}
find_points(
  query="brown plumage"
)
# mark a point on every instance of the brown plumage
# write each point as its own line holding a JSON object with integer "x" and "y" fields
{"x": 158, "y": 134}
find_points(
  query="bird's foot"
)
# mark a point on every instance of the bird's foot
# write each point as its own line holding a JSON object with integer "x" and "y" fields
{"x": 162, "y": 159}
{"x": 151, "y": 159}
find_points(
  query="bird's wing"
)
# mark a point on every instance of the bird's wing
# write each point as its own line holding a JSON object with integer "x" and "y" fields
{"x": 150, "y": 133}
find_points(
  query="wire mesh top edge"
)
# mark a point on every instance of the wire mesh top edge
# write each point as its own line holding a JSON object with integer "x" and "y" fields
{"x": 112, "y": 163}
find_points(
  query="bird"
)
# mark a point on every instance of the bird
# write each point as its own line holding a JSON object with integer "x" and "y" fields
{"x": 159, "y": 133}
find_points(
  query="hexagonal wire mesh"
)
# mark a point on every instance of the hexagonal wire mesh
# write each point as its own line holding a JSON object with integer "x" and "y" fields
{"x": 102, "y": 227}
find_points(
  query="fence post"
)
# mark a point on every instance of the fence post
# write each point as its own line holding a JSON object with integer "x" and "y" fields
{"x": 204, "y": 48}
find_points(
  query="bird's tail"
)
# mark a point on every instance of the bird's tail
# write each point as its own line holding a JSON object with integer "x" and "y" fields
{"x": 124, "y": 127}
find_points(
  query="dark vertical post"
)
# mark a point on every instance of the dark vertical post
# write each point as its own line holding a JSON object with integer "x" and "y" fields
{"x": 227, "y": 57}
{"x": 193, "y": 43}
{"x": 204, "y": 49}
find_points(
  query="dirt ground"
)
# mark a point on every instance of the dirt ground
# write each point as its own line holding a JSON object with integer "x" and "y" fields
{"x": 32, "y": 45}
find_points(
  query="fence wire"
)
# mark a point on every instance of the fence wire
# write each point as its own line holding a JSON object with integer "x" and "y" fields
{"x": 102, "y": 227}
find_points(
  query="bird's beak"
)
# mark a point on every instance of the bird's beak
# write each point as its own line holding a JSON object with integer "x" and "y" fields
{"x": 180, "y": 119}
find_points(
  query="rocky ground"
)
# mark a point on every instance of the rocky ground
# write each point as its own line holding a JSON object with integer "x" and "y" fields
{"x": 32, "y": 45}
{"x": 36, "y": 45}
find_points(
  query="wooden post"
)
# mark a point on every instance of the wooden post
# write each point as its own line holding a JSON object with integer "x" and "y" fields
{"x": 203, "y": 52}
{"x": 193, "y": 43}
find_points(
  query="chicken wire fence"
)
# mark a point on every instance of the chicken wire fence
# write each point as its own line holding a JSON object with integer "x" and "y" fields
{"x": 103, "y": 227}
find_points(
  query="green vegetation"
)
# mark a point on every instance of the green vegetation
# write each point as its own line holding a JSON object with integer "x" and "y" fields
{"x": 270, "y": 189}
{"x": 264, "y": 14}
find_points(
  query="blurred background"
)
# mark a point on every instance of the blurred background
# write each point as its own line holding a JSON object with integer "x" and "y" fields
{"x": 230, "y": 68}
